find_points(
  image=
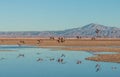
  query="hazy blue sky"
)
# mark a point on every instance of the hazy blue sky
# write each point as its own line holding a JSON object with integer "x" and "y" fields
{"x": 32, "y": 15}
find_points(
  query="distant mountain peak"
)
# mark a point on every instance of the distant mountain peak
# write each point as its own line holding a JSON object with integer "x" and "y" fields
{"x": 94, "y": 26}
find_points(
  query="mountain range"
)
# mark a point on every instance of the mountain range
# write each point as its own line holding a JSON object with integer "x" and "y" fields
{"x": 85, "y": 31}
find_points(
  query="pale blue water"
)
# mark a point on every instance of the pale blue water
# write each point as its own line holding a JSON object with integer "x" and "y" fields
{"x": 13, "y": 66}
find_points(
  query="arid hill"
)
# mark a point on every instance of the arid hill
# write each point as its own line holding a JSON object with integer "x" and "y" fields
{"x": 90, "y": 30}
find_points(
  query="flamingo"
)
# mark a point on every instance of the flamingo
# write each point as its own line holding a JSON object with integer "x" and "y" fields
{"x": 79, "y": 62}
{"x": 18, "y": 44}
{"x": 63, "y": 55}
{"x": 39, "y": 59}
{"x": 52, "y": 59}
{"x": 97, "y": 66}
{"x": 21, "y": 55}
{"x": 2, "y": 58}
{"x": 114, "y": 68}
{"x": 38, "y": 41}
{"x": 60, "y": 60}
{"x": 38, "y": 53}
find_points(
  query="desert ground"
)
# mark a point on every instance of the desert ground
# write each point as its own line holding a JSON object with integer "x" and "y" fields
{"x": 66, "y": 42}
{"x": 81, "y": 44}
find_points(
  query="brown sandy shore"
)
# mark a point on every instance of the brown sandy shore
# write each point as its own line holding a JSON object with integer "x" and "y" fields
{"x": 106, "y": 58}
{"x": 84, "y": 44}
{"x": 68, "y": 42}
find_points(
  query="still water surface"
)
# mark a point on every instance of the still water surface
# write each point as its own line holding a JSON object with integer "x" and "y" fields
{"x": 29, "y": 65}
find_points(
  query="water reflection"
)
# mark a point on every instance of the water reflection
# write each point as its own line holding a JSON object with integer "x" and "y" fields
{"x": 38, "y": 62}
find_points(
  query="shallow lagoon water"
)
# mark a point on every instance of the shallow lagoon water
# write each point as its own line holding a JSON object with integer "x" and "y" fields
{"x": 13, "y": 66}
